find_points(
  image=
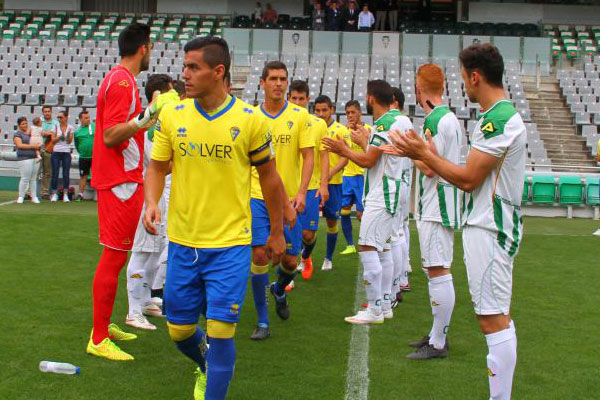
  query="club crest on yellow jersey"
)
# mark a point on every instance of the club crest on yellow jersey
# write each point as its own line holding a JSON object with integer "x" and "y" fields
{"x": 235, "y": 131}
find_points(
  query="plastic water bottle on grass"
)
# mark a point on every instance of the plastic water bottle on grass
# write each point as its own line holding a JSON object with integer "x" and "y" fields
{"x": 59, "y": 368}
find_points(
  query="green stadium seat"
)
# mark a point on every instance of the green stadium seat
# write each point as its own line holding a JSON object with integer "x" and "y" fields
{"x": 592, "y": 186}
{"x": 543, "y": 189}
{"x": 45, "y": 34}
{"x": 526, "y": 189}
{"x": 99, "y": 35}
{"x": 168, "y": 37}
{"x": 8, "y": 34}
{"x": 114, "y": 35}
{"x": 570, "y": 190}
{"x": 154, "y": 36}
{"x": 28, "y": 34}
{"x": 63, "y": 35}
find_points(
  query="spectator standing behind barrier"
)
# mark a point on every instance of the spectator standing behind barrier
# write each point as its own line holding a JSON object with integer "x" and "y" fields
{"x": 350, "y": 17}
{"x": 61, "y": 156}
{"x": 365, "y": 19}
{"x": 270, "y": 15}
{"x": 28, "y": 165}
{"x": 49, "y": 125}
{"x": 318, "y": 17}
{"x": 392, "y": 9}
{"x": 257, "y": 15}
{"x": 380, "y": 15}
{"x": 84, "y": 142}
{"x": 334, "y": 17}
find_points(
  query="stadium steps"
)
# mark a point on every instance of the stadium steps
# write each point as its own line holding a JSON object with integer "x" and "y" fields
{"x": 565, "y": 148}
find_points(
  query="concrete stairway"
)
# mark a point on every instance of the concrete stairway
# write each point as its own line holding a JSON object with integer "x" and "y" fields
{"x": 566, "y": 149}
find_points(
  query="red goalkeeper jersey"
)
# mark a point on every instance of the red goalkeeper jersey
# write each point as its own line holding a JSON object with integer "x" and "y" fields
{"x": 118, "y": 102}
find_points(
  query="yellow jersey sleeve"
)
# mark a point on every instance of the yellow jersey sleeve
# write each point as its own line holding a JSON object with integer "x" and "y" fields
{"x": 162, "y": 144}
{"x": 261, "y": 148}
{"x": 307, "y": 138}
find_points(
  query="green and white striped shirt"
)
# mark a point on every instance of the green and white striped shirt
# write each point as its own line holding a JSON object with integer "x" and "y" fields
{"x": 438, "y": 200}
{"x": 496, "y": 204}
{"x": 383, "y": 180}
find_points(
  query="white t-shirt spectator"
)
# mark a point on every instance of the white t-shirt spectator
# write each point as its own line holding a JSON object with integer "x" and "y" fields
{"x": 62, "y": 146}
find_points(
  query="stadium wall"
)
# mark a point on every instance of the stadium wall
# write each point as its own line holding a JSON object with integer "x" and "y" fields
{"x": 58, "y": 5}
{"x": 534, "y": 13}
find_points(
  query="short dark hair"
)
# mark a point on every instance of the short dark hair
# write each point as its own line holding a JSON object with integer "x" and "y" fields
{"x": 132, "y": 37}
{"x": 63, "y": 112}
{"x": 353, "y": 103}
{"x": 156, "y": 82}
{"x": 44, "y": 107}
{"x": 299, "y": 86}
{"x": 381, "y": 90}
{"x": 486, "y": 59}
{"x": 215, "y": 51}
{"x": 323, "y": 99}
{"x": 83, "y": 113}
{"x": 179, "y": 87}
{"x": 398, "y": 96}
{"x": 21, "y": 119}
{"x": 272, "y": 65}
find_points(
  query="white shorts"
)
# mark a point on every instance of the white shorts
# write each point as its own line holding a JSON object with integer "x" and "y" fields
{"x": 489, "y": 271}
{"x": 376, "y": 228}
{"x": 437, "y": 244}
{"x": 398, "y": 231}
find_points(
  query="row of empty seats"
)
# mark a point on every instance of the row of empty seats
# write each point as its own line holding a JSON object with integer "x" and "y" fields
{"x": 581, "y": 89}
{"x": 98, "y": 26}
{"x": 564, "y": 190}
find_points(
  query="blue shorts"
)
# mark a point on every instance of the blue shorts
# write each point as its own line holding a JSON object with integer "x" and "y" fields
{"x": 352, "y": 189}
{"x": 333, "y": 206}
{"x": 206, "y": 281}
{"x": 261, "y": 227}
{"x": 309, "y": 219}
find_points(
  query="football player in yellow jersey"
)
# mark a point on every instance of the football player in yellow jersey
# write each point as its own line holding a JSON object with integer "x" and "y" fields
{"x": 318, "y": 191}
{"x": 293, "y": 145}
{"x": 353, "y": 179}
{"x": 213, "y": 140}
{"x": 324, "y": 109}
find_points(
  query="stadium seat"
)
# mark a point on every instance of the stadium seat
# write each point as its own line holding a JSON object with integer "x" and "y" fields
{"x": 543, "y": 189}
{"x": 592, "y": 188}
{"x": 526, "y": 190}
{"x": 570, "y": 190}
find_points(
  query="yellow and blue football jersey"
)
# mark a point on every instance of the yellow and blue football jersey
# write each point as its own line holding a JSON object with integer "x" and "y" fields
{"x": 290, "y": 130}
{"x": 352, "y": 169}
{"x": 212, "y": 158}
{"x": 337, "y": 131}
{"x": 318, "y": 131}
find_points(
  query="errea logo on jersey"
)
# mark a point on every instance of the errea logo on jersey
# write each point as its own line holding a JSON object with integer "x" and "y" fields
{"x": 124, "y": 83}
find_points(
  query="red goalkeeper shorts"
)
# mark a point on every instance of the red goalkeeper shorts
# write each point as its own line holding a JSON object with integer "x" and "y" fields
{"x": 118, "y": 219}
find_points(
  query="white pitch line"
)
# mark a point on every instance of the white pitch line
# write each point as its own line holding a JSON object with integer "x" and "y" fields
{"x": 357, "y": 373}
{"x": 7, "y": 203}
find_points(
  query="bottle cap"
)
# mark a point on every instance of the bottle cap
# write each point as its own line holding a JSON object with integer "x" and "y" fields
{"x": 77, "y": 370}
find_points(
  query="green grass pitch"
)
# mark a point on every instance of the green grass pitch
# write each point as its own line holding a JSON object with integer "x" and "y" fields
{"x": 48, "y": 254}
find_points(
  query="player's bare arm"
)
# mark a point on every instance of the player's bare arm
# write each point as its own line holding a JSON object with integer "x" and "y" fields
{"x": 324, "y": 188}
{"x": 272, "y": 187}
{"x": 364, "y": 160}
{"x": 467, "y": 178}
{"x": 360, "y": 136}
{"x": 308, "y": 163}
{"x": 154, "y": 185}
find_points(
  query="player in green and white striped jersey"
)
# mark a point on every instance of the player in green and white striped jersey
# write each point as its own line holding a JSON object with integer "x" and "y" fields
{"x": 492, "y": 225}
{"x": 381, "y": 200}
{"x": 437, "y": 210}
